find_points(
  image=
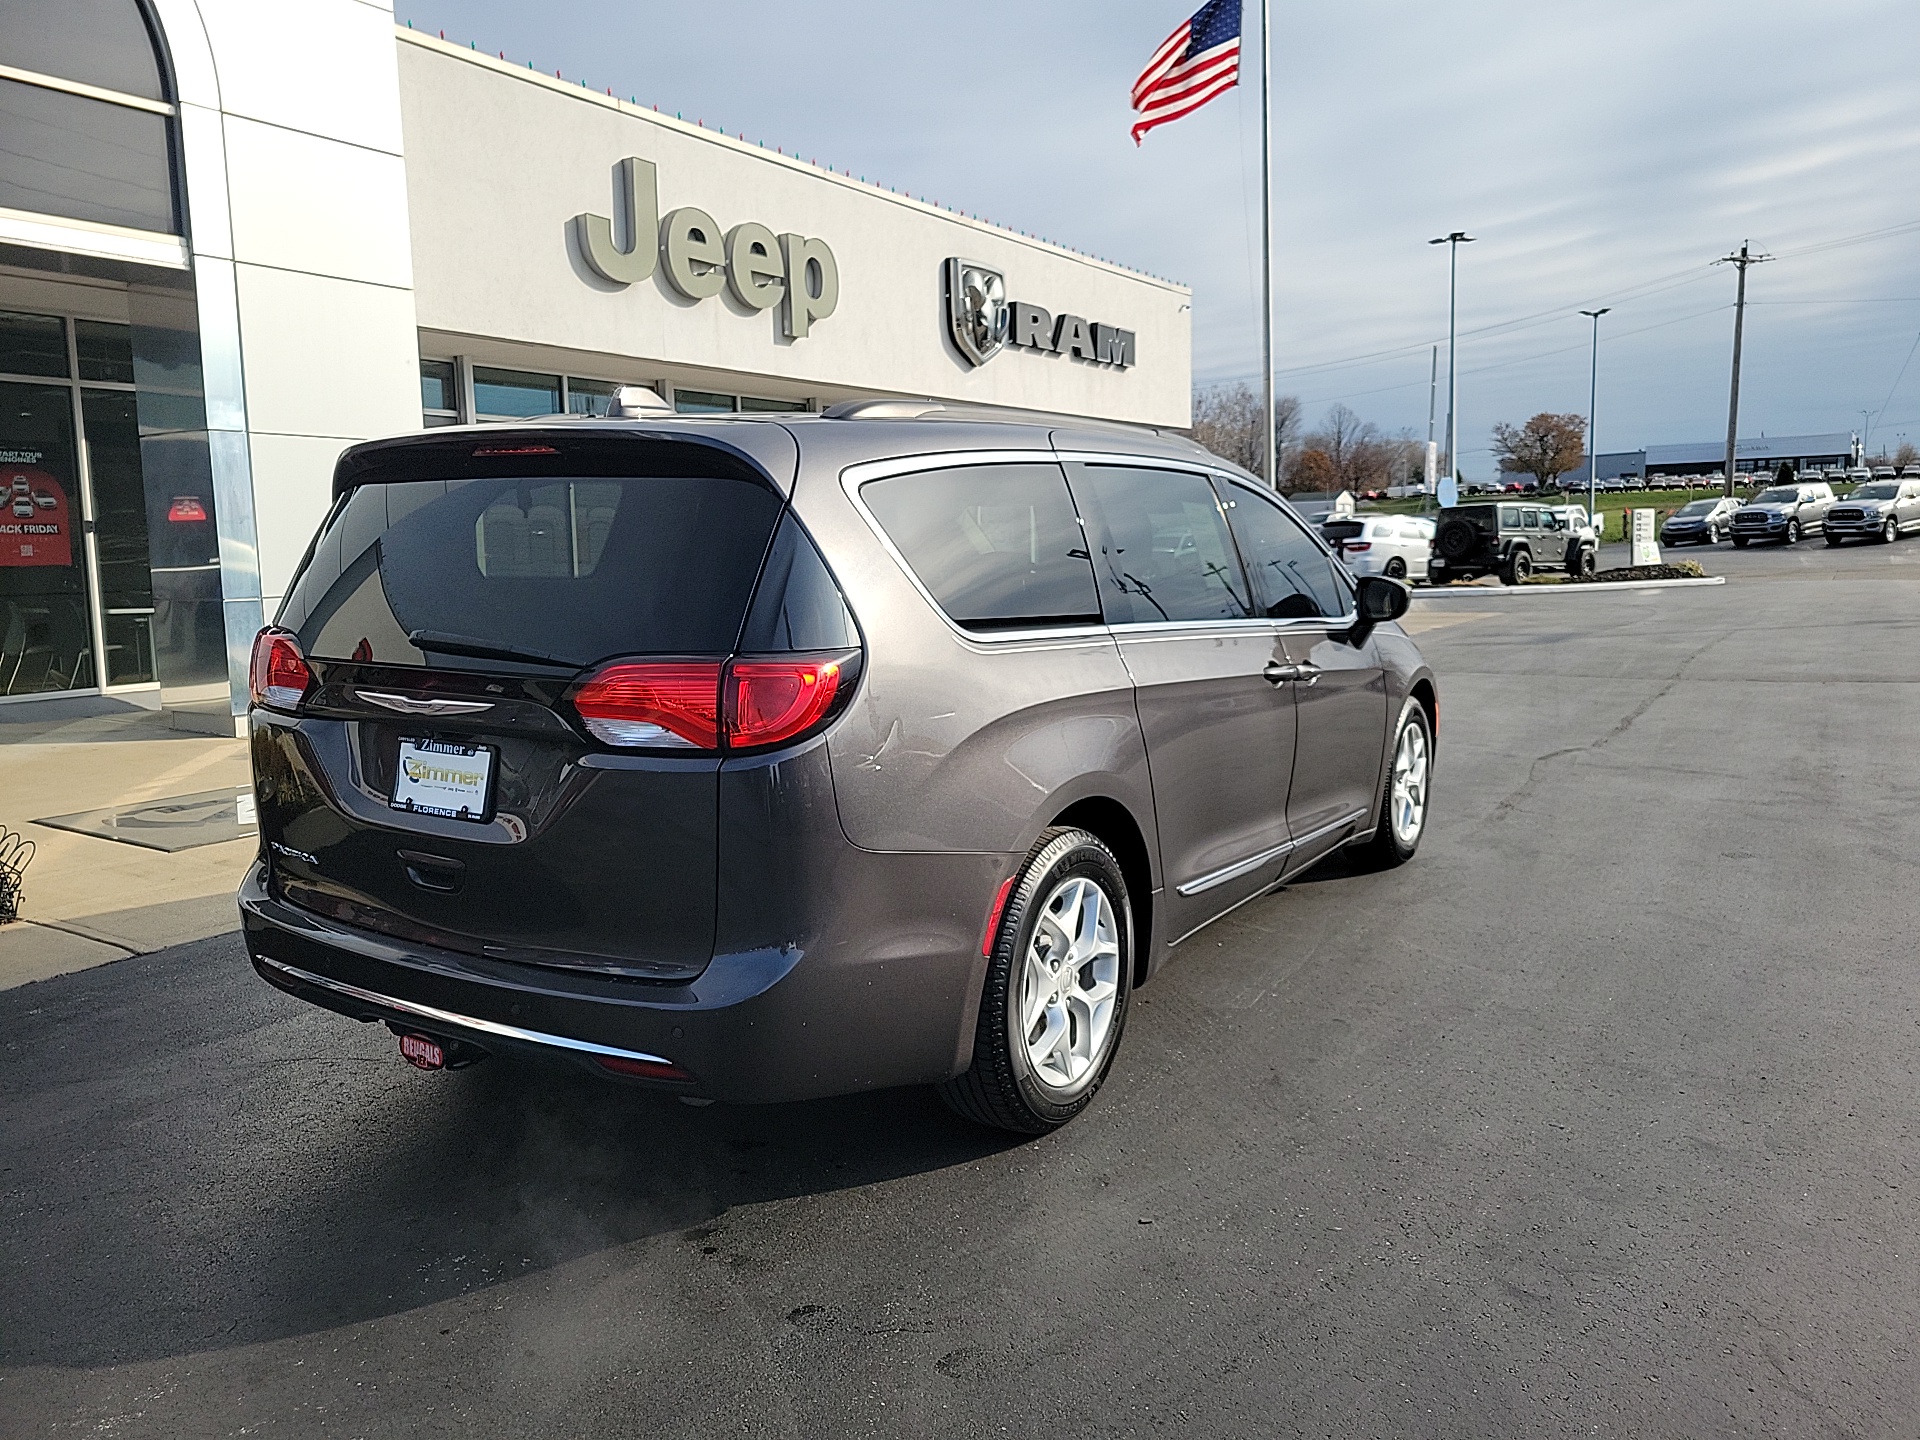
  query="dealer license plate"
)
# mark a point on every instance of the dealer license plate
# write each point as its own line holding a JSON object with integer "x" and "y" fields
{"x": 437, "y": 778}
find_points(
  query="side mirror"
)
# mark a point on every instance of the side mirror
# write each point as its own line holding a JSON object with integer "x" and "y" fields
{"x": 1382, "y": 599}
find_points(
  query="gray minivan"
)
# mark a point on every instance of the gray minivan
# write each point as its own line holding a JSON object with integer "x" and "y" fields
{"x": 770, "y": 758}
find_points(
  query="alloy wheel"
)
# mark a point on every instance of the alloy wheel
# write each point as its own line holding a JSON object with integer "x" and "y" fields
{"x": 1407, "y": 800}
{"x": 1070, "y": 983}
{"x": 1890, "y": 532}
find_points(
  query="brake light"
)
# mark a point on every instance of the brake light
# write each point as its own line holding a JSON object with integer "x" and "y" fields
{"x": 642, "y": 1069}
{"x": 1354, "y": 547}
{"x": 672, "y": 703}
{"x": 186, "y": 509}
{"x": 768, "y": 701}
{"x": 279, "y": 676}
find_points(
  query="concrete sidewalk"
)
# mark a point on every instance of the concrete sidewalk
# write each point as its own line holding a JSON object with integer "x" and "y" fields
{"x": 89, "y": 899}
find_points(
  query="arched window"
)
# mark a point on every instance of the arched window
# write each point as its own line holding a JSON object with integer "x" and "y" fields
{"x": 86, "y": 113}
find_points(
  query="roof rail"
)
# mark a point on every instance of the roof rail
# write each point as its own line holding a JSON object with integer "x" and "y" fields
{"x": 931, "y": 409}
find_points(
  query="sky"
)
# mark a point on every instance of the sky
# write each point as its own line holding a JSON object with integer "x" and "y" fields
{"x": 1602, "y": 152}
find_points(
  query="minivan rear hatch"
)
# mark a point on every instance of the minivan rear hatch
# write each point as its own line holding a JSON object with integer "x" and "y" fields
{"x": 430, "y": 776}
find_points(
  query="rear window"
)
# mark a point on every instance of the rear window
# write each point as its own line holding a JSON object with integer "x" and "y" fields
{"x": 1343, "y": 529}
{"x": 997, "y": 546}
{"x": 576, "y": 570}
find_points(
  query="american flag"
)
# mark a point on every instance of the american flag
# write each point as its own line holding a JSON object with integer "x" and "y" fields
{"x": 1196, "y": 63}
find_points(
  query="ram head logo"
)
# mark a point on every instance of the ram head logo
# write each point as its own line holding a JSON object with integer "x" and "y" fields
{"x": 976, "y": 309}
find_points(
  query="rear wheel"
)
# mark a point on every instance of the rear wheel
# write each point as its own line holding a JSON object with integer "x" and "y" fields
{"x": 1519, "y": 566}
{"x": 1396, "y": 568}
{"x": 1403, "y": 794}
{"x": 1056, "y": 993}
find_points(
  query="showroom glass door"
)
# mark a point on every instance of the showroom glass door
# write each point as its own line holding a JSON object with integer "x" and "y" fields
{"x": 76, "y": 599}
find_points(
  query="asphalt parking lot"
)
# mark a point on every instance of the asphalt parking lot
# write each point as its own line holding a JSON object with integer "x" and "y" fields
{"x": 1598, "y": 1118}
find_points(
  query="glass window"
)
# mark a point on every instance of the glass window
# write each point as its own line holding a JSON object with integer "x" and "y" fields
{"x": 702, "y": 402}
{"x": 1292, "y": 576}
{"x": 83, "y": 159}
{"x": 106, "y": 350}
{"x": 1165, "y": 553}
{"x": 514, "y": 394}
{"x": 797, "y": 606}
{"x": 589, "y": 397}
{"x": 46, "y": 640}
{"x": 97, "y": 42}
{"x": 577, "y": 569}
{"x": 1509, "y": 517}
{"x": 995, "y": 545}
{"x": 439, "y": 391}
{"x": 32, "y": 344}
{"x": 112, "y": 429}
{"x": 752, "y": 404}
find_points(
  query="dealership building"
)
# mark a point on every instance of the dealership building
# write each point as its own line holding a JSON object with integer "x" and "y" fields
{"x": 1764, "y": 455}
{"x": 236, "y": 238}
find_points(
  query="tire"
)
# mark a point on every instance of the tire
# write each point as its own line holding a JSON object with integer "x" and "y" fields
{"x": 1889, "y": 532}
{"x": 1585, "y": 564}
{"x": 1740, "y": 542}
{"x": 1518, "y": 567}
{"x": 1396, "y": 569}
{"x": 1392, "y": 843}
{"x": 1015, "y": 1083}
{"x": 1792, "y": 537}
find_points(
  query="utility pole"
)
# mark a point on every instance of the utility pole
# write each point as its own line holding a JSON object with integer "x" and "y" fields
{"x": 1270, "y": 445}
{"x": 1593, "y": 406}
{"x": 1450, "y": 482}
{"x": 1741, "y": 260}
{"x": 1430, "y": 471}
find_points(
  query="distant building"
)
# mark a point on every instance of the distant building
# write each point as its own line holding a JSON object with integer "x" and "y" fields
{"x": 1708, "y": 457}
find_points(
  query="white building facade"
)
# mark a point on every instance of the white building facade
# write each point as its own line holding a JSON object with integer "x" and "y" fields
{"x": 236, "y": 238}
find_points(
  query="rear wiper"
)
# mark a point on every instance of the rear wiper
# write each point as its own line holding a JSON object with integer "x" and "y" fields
{"x": 446, "y": 644}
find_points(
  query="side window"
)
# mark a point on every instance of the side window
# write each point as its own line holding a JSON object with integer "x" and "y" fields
{"x": 998, "y": 546}
{"x": 1164, "y": 549}
{"x": 1293, "y": 579}
{"x": 1509, "y": 517}
{"x": 796, "y": 606}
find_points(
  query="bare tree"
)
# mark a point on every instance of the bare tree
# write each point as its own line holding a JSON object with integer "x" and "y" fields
{"x": 1226, "y": 419}
{"x": 1906, "y": 454}
{"x": 1546, "y": 447}
{"x": 1356, "y": 457}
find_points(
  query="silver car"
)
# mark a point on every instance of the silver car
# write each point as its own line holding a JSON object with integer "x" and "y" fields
{"x": 1881, "y": 510}
{"x": 765, "y": 758}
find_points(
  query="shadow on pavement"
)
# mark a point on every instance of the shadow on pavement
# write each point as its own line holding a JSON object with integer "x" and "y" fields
{"x": 195, "y": 1161}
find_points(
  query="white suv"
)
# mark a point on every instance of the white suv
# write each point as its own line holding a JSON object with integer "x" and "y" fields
{"x": 1396, "y": 546}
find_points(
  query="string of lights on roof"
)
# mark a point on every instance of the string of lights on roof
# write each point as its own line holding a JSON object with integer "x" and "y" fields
{"x": 831, "y": 170}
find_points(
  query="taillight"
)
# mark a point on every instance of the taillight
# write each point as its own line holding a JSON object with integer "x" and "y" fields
{"x": 1354, "y": 547}
{"x": 768, "y": 701}
{"x": 278, "y": 677}
{"x": 711, "y": 704}
{"x": 186, "y": 510}
{"x": 674, "y": 703}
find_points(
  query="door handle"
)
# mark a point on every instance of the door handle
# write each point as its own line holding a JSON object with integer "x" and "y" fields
{"x": 1307, "y": 673}
{"x": 1278, "y": 674}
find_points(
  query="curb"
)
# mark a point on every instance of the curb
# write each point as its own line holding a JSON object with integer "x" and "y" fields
{"x": 1602, "y": 586}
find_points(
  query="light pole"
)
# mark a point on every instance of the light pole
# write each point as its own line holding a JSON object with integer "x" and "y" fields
{"x": 1593, "y": 403}
{"x": 1450, "y": 483}
{"x": 1866, "y": 425}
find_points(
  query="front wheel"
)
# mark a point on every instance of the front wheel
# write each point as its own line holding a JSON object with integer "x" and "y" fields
{"x": 1890, "y": 531}
{"x": 1585, "y": 566}
{"x": 1055, "y": 1001}
{"x": 1403, "y": 794}
{"x": 1793, "y": 533}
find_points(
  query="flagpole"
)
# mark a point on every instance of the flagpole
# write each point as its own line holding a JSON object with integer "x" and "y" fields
{"x": 1266, "y": 245}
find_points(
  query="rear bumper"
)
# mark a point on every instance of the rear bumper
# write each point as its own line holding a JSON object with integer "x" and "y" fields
{"x": 846, "y": 1012}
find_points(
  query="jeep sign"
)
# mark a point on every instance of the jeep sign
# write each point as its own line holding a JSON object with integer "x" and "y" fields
{"x": 760, "y": 268}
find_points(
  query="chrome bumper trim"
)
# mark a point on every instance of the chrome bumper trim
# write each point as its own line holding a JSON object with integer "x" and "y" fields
{"x": 468, "y": 1022}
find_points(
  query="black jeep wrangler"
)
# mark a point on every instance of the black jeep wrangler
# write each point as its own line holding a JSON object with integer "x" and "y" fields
{"x": 1511, "y": 540}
